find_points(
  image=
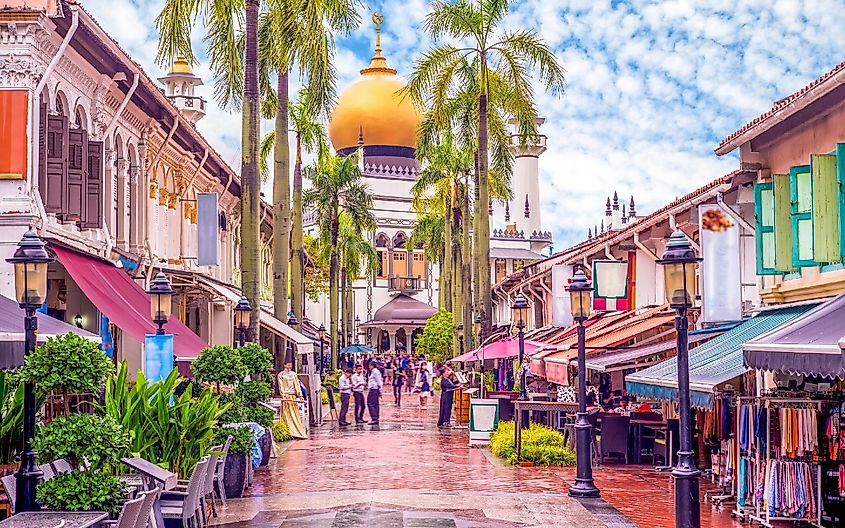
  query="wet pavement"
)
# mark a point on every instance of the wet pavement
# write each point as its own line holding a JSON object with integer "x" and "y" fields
{"x": 407, "y": 473}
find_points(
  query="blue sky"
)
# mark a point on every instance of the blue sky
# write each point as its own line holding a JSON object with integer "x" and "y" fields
{"x": 652, "y": 86}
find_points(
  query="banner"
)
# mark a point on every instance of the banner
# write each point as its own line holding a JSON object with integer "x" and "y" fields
{"x": 561, "y": 312}
{"x": 720, "y": 281}
{"x": 610, "y": 285}
{"x": 158, "y": 356}
{"x": 207, "y": 235}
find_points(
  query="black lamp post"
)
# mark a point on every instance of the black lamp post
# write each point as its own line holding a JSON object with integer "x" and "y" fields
{"x": 30, "y": 261}
{"x": 357, "y": 328}
{"x": 321, "y": 333}
{"x": 160, "y": 301}
{"x": 520, "y": 310}
{"x": 679, "y": 267}
{"x": 293, "y": 322}
{"x": 243, "y": 313}
{"x": 77, "y": 320}
{"x": 459, "y": 329}
{"x": 579, "y": 298}
{"x": 479, "y": 328}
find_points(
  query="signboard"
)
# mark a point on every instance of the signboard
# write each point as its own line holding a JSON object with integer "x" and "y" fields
{"x": 561, "y": 313}
{"x": 158, "y": 356}
{"x": 610, "y": 285}
{"x": 14, "y": 113}
{"x": 207, "y": 234}
{"x": 720, "y": 280}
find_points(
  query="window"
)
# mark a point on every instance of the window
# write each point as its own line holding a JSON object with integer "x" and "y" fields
{"x": 501, "y": 269}
{"x": 825, "y": 209}
{"x": 400, "y": 266}
{"x": 383, "y": 264}
{"x": 801, "y": 192}
{"x": 764, "y": 216}
{"x": 418, "y": 265}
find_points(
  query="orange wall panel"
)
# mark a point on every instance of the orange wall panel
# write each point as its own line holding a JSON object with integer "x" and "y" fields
{"x": 14, "y": 106}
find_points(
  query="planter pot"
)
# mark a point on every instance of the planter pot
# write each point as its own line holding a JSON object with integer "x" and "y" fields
{"x": 265, "y": 444}
{"x": 526, "y": 463}
{"x": 234, "y": 475}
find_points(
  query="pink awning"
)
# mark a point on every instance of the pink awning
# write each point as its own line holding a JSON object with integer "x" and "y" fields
{"x": 505, "y": 348}
{"x": 123, "y": 301}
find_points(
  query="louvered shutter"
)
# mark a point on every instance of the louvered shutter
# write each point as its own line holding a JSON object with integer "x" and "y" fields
{"x": 42, "y": 150}
{"x": 840, "y": 189}
{"x": 56, "y": 178}
{"x": 783, "y": 223}
{"x": 77, "y": 161}
{"x": 801, "y": 192}
{"x": 764, "y": 232}
{"x": 93, "y": 203}
{"x": 825, "y": 209}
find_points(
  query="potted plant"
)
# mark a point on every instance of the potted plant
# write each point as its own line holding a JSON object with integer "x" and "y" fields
{"x": 220, "y": 365}
{"x": 98, "y": 439}
{"x": 252, "y": 393}
{"x": 82, "y": 490}
{"x": 240, "y": 454}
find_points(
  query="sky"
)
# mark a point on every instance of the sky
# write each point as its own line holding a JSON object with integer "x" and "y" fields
{"x": 652, "y": 86}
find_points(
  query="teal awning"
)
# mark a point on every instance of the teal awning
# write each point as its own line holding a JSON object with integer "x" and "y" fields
{"x": 711, "y": 364}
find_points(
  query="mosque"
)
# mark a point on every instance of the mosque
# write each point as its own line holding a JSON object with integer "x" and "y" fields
{"x": 393, "y": 304}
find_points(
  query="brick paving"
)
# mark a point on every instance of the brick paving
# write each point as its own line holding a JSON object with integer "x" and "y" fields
{"x": 407, "y": 473}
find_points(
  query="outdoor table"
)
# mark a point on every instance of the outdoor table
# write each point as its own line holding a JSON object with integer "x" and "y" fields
{"x": 527, "y": 405}
{"x": 637, "y": 426}
{"x": 153, "y": 476}
{"x": 49, "y": 519}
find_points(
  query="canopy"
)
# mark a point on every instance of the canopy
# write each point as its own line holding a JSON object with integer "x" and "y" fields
{"x": 12, "y": 332}
{"x": 811, "y": 344}
{"x": 710, "y": 364}
{"x": 401, "y": 310}
{"x": 124, "y": 302}
{"x": 505, "y": 348}
{"x": 357, "y": 348}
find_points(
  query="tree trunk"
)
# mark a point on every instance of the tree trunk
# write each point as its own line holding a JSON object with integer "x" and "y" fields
{"x": 333, "y": 293}
{"x": 476, "y": 289}
{"x": 297, "y": 266}
{"x": 350, "y": 311}
{"x": 483, "y": 234}
{"x": 281, "y": 203}
{"x": 466, "y": 266}
{"x": 344, "y": 308}
{"x": 250, "y": 179}
{"x": 446, "y": 277}
{"x": 457, "y": 271}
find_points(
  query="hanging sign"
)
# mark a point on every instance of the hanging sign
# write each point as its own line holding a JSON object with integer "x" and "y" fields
{"x": 610, "y": 285}
{"x": 561, "y": 313}
{"x": 721, "y": 286}
{"x": 207, "y": 226}
{"x": 158, "y": 356}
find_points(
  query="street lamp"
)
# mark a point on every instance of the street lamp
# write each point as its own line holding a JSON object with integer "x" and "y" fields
{"x": 30, "y": 261}
{"x": 520, "y": 311}
{"x": 459, "y": 329}
{"x": 77, "y": 320}
{"x": 160, "y": 301}
{"x": 321, "y": 333}
{"x": 357, "y": 327}
{"x": 293, "y": 322}
{"x": 679, "y": 268}
{"x": 479, "y": 328}
{"x": 579, "y": 302}
{"x": 243, "y": 316}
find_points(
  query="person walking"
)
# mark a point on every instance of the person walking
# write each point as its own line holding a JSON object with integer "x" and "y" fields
{"x": 345, "y": 384}
{"x": 411, "y": 370}
{"x": 398, "y": 382}
{"x": 423, "y": 384}
{"x": 447, "y": 395}
{"x": 359, "y": 383}
{"x": 374, "y": 383}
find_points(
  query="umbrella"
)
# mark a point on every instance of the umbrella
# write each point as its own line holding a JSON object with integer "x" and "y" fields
{"x": 504, "y": 348}
{"x": 357, "y": 348}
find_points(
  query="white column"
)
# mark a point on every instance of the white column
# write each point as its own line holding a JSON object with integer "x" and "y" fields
{"x": 118, "y": 228}
{"x": 136, "y": 207}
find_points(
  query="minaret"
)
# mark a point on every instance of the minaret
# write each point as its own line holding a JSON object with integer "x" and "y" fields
{"x": 179, "y": 84}
{"x": 616, "y": 220}
{"x": 361, "y": 149}
{"x": 632, "y": 209}
{"x": 525, "y": 184}
{"x": 608, "y": 215}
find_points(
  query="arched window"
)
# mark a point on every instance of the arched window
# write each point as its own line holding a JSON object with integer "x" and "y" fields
{"x": 383, "y": 261}
{"x": 399, "y": 240}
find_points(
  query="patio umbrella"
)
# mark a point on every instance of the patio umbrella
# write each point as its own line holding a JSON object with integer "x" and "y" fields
{"x": 357, "y": 348}
{"x": 504, "y": 348}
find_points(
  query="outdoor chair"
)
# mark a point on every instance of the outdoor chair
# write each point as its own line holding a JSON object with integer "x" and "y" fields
{"x": 218, "y": 469}
{"x": 146, "y": 518}
{"x": 129, "y": 515}
{"x": 208, "y": 485}
{"x": 47, "y": 469}
{"x": 182, "y": 508}
{"x": 10, "y": 485}
{"x": 614, "y": 436}
{"x": 61, "y": 466}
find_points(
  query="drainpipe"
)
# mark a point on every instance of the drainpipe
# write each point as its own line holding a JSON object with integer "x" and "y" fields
{"x": 153, "y": 167}
{"x": 36, "y": 97}
{"x": 184, "y": 192}
{"x": 123, "y": 104}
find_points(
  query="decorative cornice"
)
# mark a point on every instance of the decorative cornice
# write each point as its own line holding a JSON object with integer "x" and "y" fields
{"x": 19, "y": 72}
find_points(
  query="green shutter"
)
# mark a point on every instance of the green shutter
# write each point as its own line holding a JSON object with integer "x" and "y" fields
{"x": 783, "y": 223}
{"x": 801, "y": 192}
{"x": 840, "y": 189}
{"x": 764, "y": 218}
{"x": 825, "y": 209}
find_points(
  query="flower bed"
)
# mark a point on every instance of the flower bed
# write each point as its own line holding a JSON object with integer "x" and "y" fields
{"x": 541, "y": 446}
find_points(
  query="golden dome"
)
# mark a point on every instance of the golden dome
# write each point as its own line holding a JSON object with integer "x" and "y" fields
{"x": 180, "y": 65}
{"x": 372, "y": 106}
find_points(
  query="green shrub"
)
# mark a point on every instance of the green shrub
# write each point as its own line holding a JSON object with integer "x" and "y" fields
{"x": 257, "y": 360}
{"x": 11, "y": 416}
{"x": 219, "y": 364}
{"x": 260, "y": 415}
{"x": 242, "y": 438}
{"x": 540, "y": 444}
{"x": 99, "y": 438}
{"x": 236, "y": 410}
{"x": 252, "y": 392}
{"x": 67, "y": 364}
{"x": 281, "y": 432}
{"x": 435, "y": 341}
{"x": 82, "y": 490}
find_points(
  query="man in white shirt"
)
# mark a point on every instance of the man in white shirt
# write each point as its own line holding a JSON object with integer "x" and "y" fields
{"x": 345, "y": 384}
{"x": 359, "y": 383}
{"x": 374, "y": 383}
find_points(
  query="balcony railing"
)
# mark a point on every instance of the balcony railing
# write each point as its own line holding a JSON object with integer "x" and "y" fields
{"x": 191, "y": 102}
{"x": 405, "y": 284}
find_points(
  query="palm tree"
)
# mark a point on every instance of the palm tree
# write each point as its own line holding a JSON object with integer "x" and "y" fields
{"x": 310, "y": 136}
{"x": 236, "y": 69}
{"x": 358, "y": 258}
{"x": 297, "y": 34}
{"x": 336, "y": 187}
{"x": 509, "y": 55}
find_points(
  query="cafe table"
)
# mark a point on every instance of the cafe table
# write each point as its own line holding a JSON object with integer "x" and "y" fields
{"x": 152, "y": 476}
{"x": 51, "y": 519}
{"x": 528, "y": 405}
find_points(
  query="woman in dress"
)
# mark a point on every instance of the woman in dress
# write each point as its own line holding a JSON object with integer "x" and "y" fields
{"x": 291, "y": 397}
{"x": 448, "y": 386}
{"x": 423, "y": 383}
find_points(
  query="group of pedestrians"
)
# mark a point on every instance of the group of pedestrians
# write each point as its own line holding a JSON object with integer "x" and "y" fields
{"x": 352, "y": 385}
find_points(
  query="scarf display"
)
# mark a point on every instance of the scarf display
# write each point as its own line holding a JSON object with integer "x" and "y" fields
{"x": 790, "y": 489}
{"x": 798, "y": 432}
